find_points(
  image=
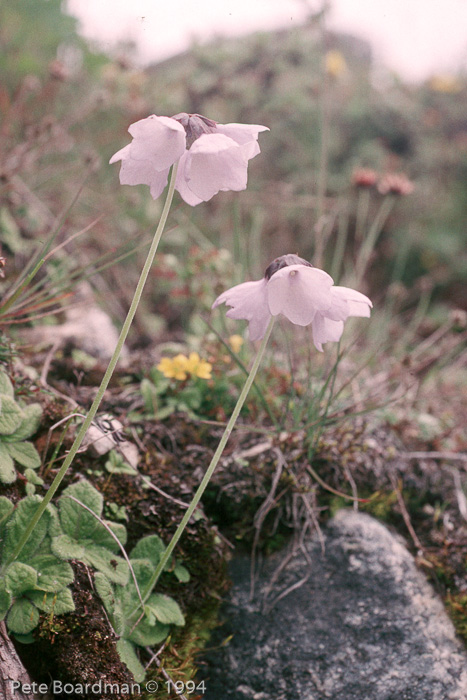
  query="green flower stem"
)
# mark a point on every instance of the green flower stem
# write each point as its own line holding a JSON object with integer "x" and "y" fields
{"x": 108, "y": 374}
{"x": 214, "y": 462}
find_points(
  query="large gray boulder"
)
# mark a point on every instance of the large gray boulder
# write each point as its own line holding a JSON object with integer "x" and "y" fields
{"x": 365, "y": 625}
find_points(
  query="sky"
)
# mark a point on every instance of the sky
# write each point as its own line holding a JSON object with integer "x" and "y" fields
{"x": 414, "y": 38}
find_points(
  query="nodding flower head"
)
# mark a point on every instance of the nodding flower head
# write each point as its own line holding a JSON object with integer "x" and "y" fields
{"x": 195, "y": 125}
{"x": 302, "y": 293}
{"x": 211, "y": 157}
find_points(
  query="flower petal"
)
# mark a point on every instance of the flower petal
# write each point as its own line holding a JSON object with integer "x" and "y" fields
{"x": 358, "y": 304}
{"x": 299, "y": 292}
{"x": 161, "y": 140}
{"x": 121, "y": 154}
{"x": 248, "y": 302}
{"x": 215, "y": 162}
{"x": 141, "y": 172}
{"x": 181, "y": 184}
{"x": 246, "y": 135}
{"x": 326, "y": 330}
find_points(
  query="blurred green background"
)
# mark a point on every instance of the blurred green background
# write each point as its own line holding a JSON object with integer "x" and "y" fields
{"x": 65, "y": 109}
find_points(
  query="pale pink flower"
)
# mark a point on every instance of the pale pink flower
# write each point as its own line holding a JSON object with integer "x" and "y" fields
{"x": 299, "y": 291}
{"x": 212, "y": 157}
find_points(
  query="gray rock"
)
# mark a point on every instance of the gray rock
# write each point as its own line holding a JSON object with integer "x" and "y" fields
{"x": 365, "y": 625}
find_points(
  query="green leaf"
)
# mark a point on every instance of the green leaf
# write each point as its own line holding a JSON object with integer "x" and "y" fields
{"x": 52, "y": 574}
{"x": 5, "y": 602}
{"x": 127, "y": 654}
{"x": 54, "y": 521}
{"x": 23, "y": 617}
{"x": 56, "y": 603}
{"x": 6, "y": 387}
{"x": 25, "y": 638}
{"x": 105, "y": 591}
{"x": 150, "y": 547}
{"x": 182, "y": 573}
{"x": 75, "y": 520}
{"x": 24, "y": 453}
{"x": 33, "y": 478}
{"x": 113, "y": 566}
{"x": 17, "y": 524}
{"x": 102, "y": 537}
{"x": 165, "y": 609}
{"x": 147, "y": 635}
{"x": 31, "y": 419}
{"x": 116, "y": 464}
{"x": 128, "y": 596}
{"x": 7, "y": 466}
{"x": 11, "y": 416}
{"x": 65, "y": 547}
{"x": 20, "y": 577}
{"x": 6, "y": 509}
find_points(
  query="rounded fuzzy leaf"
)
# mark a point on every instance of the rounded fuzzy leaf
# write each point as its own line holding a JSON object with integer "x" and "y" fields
{"x": 103, "y": 537}
{"x": 10, "y": 416}
{"x": 105, "y": 591}
{"x": 128, "y": 596}
{"x": 102, "y": 559}
{"x": 31, "y": 419}
{"x": 17, "y": 524}
{"x": 6, "y": 387}
{"x": 165, "y": 609}
{"x": 127, "y": 654}
{"x": 6, "y": 509}
{"x": 19, "y": 578}
{"x": 182, "y": 573}
{"x": 24, "y": 453}
{"x": 5, "y": 602}
{"x": 54, "y": 521}
{"x": 150, "y": 547}
{"x": 147, "y": 635}
{"x": 52, "y": 574}
{"x": 77, "y": 522}
{"x": 25, "y": 638}
{"x": 65, "y": 547}
{"x": 33, "y": 478}
{"x": 55, "y": 603}
{"x": 23, "y": 617}
{"x": 7, "y": 466}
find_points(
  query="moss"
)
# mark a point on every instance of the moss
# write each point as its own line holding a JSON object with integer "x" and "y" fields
{"x": 179, "y": 659}
{"x": 456, "y": 604}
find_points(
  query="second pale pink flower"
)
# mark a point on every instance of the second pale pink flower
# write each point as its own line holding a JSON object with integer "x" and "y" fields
{"x": 302, "y": 293}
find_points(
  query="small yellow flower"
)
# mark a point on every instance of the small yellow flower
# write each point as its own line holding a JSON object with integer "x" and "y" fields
{"x": 335, "y": 64}
{"x": 181, "y": 366}
{"x": 198, "y": 367}
{"x": 175, "y": 368}
{"x": 236, "y": 342}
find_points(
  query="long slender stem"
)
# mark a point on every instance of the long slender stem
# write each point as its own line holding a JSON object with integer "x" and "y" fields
{"x": 210, "y": 470}
{"x": 108, "y": 374}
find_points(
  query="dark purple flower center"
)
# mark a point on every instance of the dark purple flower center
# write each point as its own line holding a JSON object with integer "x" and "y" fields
{"x": 195, "y": 125}
{"x": 284, "y": 261}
